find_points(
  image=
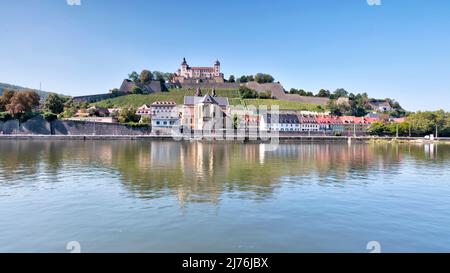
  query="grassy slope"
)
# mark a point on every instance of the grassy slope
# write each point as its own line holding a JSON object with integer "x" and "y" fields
{"x": 174, "y": 95}
{"x": 178, "y": 97}
{"x": 285, "y": 105}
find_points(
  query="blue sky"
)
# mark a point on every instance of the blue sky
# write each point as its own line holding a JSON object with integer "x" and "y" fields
{"x": 400, "y": 49}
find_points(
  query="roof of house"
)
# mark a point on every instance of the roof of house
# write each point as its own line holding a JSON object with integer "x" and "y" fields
{"x": 377, "y": 104}
{"x": 164, "y": 103}
{"x": 145, "y": 106}
{"x": 208, "y": 99}
{"x": 357, "y": 120}
{"x": 328, "y": 120}
{"x": 285, "y": 118}
{"x": 192, "y": 100}
{"x": 308, "y": 119}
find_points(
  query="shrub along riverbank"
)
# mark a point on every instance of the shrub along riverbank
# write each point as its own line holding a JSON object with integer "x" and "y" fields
{"x": 416, "y": 124}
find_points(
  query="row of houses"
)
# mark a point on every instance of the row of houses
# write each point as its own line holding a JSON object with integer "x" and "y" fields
{"x": 210, "y": 111}
{"x": 314, "y": 123}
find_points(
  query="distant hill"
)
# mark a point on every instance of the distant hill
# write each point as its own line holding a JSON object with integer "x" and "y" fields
{"x": 3, "y": 86}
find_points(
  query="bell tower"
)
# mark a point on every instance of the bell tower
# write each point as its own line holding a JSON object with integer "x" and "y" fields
{"x": 184, "y": 68}
{"x": 217, "y": 69}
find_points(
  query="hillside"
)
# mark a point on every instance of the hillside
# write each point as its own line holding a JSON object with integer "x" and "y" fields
{"x": 3, "y": 86}
{"x": 178, "y": 97}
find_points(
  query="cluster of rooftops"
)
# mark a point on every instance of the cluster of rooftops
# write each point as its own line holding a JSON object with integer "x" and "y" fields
{"x": 320, "y": 119}
{"x": 283, "y": 118}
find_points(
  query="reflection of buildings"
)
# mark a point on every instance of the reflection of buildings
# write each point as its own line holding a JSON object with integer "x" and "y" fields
{"x": 197, "y": 172}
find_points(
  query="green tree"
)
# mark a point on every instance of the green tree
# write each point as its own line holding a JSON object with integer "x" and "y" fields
{"x": 145, "y": 120}
{"x": 377, "y": 129}
{"x": 425, "y": 123}
{"x": 324, "y": 93}
{"x": 128, "y": 115}
{"x": 339, "y": 93}
{"x": 264, "y": 78}
{"x": 159, "y": 76}
{"x": 339, "y": 109}
{"x": 146, "y": 76}
{"x": 232, "y": 78}
{"x": 243, "y": 79}
{"x": 403, "y": 129}
{"x": 68, "y": 112}
{"x": 300, "y": 92}
{"x": 134, "y": 76}
{"x": 265, "y": 95}
{"x": 5, "y": 99}
{"x": 22, "y": 103}
{"x": 137, "y": 90}
{"x": 114, "y": 91}
{"x": 247, "y": 93}
{"x": 54, "y": 104}
{"x": 397, "y": 110}
{"x": 359, "y": 104}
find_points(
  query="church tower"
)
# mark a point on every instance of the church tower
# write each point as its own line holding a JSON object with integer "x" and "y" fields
{"x": 184, "y": 68}
{"x": 217, "y": 69}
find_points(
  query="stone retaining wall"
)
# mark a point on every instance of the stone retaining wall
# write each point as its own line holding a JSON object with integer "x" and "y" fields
{"x": 39, "y": 126}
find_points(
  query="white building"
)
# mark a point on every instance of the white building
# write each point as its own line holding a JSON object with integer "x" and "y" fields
{"x": 284, "y": 123}
{"x": 163, "y": 114}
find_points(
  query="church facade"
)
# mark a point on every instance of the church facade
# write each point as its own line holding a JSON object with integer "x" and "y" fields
{"x": 188, "y": 73}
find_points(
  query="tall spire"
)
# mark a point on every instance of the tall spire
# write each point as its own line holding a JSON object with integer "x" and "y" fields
{"x": 184, "y": 61}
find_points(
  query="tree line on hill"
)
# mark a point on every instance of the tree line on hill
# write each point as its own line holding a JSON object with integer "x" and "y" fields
{"x": 248, "y": 93}
{"x": 259, "y": 78}
{"x": 147, "y": 76}
{"x": 344, "y": 103}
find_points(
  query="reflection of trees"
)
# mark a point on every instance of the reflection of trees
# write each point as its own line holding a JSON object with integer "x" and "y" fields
{"x": 196, "y": 172}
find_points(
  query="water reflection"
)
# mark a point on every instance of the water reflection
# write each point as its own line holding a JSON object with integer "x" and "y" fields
{"x": 197, "y": 172}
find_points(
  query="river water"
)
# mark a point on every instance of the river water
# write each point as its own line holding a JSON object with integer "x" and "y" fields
{"x": 151, "y": 196}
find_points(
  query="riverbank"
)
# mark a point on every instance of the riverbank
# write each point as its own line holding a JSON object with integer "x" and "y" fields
{"x": 281, "y": 138}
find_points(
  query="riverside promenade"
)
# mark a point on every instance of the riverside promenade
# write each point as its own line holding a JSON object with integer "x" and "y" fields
{"x": 283, "y": 138}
